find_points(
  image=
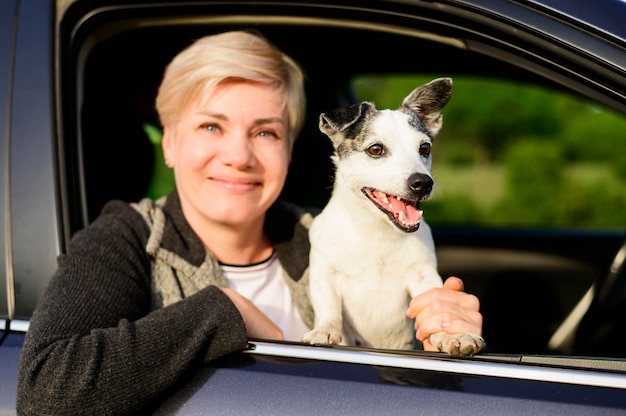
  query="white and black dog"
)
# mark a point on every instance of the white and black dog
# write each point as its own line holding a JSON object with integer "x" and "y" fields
{"x": 371, "y": 252}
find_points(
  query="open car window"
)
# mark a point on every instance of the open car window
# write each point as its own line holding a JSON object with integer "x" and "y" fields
{"x": 523, "y": 166}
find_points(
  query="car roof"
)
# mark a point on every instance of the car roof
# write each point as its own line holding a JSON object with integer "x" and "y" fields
{"x": 598, "y": 15}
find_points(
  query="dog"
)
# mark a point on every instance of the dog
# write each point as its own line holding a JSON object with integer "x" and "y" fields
{"x": 371, "y": 251}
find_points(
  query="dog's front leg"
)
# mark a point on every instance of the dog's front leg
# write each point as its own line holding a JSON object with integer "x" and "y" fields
{"x": 458, "y": 344}
{"x": 326, "y": 302}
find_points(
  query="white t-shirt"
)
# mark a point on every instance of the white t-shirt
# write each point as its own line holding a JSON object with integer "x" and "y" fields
{"x": 263, "y": 283}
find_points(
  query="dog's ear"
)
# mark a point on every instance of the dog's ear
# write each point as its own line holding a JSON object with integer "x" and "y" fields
{"x": 428, "y": 101}
{"x": 334, "y": 123}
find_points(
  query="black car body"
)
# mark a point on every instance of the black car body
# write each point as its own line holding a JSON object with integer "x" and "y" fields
{"x": 76, "y": 83}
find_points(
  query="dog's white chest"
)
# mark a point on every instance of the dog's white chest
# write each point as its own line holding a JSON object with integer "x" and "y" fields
{"x": 368, "y": 276}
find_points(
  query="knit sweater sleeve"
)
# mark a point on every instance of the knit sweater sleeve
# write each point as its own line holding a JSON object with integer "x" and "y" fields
{"x": 94, "y": 347}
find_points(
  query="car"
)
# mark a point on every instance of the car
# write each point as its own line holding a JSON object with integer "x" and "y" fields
{"x": 530, "y": 209}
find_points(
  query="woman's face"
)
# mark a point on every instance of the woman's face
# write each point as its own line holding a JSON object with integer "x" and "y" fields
{"x": 230, "y": 154}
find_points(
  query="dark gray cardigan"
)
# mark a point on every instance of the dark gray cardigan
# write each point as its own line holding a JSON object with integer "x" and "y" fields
{"x": 134, "y": 307}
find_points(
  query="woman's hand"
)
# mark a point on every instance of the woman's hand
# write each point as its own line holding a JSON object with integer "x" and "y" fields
{"x": 446, "y": 309}
{"x": 258, "y": 325}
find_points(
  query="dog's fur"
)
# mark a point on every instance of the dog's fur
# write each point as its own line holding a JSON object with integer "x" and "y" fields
{"x": 370, "y": 251}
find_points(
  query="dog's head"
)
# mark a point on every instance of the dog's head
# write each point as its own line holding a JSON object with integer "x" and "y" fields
{"x": 384, "y": 155}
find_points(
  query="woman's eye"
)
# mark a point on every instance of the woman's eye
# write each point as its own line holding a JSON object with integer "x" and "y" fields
{"x": 269, "y": 134}
{"x": 210, "y": 127}
{"x": 425, "y": 149}
{"x": 376, "y": 150}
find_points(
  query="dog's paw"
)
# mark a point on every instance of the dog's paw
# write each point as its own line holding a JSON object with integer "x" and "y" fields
{"x": 458, "y": 344}
{"x": 326, "y": 334}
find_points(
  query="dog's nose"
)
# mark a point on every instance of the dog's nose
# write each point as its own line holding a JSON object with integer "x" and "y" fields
{"x": 420, "y": 183}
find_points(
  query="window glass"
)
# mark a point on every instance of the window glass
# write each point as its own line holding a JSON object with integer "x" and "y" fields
{"x": 518, "y": 155}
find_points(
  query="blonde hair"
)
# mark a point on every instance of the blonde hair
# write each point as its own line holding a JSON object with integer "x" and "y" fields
{"x": 231, "y": 56}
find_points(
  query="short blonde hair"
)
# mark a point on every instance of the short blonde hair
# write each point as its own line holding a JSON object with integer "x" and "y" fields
{"x": 231, "y": 56}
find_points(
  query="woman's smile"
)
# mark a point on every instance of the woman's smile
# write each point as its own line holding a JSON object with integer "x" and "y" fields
{"x": 235, "y": 184}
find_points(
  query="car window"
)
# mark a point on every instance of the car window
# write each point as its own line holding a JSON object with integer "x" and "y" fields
{"x": 514, "y": 154}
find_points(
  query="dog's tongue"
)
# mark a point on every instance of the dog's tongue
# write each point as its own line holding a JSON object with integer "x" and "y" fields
{"x": 403, "y": 211}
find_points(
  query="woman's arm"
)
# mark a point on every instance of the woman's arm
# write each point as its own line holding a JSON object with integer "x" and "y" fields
{"x": 94, "y": 347}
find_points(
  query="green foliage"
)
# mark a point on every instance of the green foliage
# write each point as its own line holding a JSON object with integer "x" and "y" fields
{"x": 556, "y": 159}
{"x": 162, "y": 177}
{"x": 534, "y": 173}
{"x": 534, "y": 170}
{"x": 459, "y": 209}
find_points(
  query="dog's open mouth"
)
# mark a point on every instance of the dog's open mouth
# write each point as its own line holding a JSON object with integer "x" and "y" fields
{"x": 405, "y": 215}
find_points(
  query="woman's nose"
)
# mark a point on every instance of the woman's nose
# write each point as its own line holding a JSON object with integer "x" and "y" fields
{"x": 237, "y": 151}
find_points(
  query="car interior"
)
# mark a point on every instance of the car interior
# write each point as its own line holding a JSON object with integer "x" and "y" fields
{"x": 112, "y": 69}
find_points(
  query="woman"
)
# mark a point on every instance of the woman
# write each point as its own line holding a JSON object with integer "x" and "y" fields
{"x": 151, "y": 290}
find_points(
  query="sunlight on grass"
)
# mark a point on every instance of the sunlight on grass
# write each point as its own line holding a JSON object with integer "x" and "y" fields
{"x": 482, "y": 194}
{"x": 485, "y": 185}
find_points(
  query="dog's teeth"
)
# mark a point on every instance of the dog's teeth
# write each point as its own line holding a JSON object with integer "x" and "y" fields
{"x": 401, "y": 217}
{"x": 383, "y": 197}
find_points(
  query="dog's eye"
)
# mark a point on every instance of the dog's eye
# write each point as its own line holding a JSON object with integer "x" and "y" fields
{"x": 376, "y": 150}
{"x": 425, "y": 149}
